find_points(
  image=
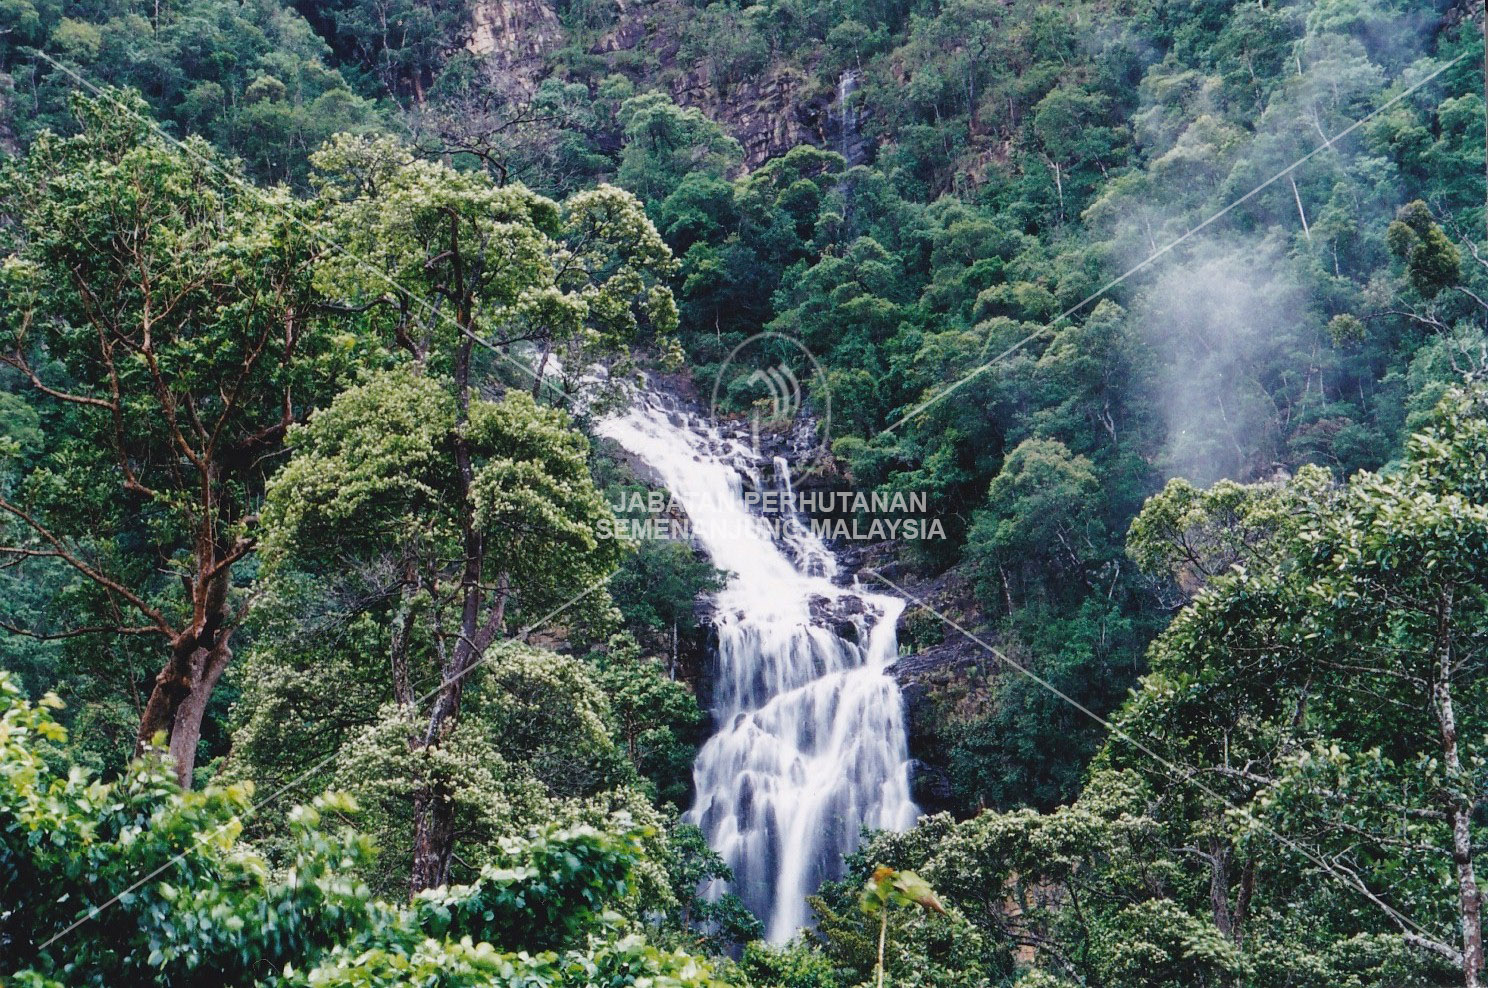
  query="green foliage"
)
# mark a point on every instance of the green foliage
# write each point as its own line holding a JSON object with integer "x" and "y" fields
{"x": 874, "y": 932}
{"x": 404, "y": 44}
{"x": 1431, "y": 260}
{"x": 552, "y": 717}
{"x": 665, "y": 142}
{"x": 656, "y": 717}
{"x": 795, "y": 965}
{"x": 1188, "y": 537}
{"x": 1157, "y": 943}
{"x": 490, "y": 795}
{"x": 543, "y": 893}
{"x": 206, "y": 907}
{"x": 1040, "y": 510}
{"x": 580, "y": 278}
{"x": 1300, "y": 803}
{"x": 657, "y": 588}
{"x": 377, "y": 470}
{"x": 887, "y": 888}
{"x": 161, "y": 316}
{"x": 252, "y": 78}
{"x": 162, "y": 892}
{"x": 472, "y": 496}
{"x": 718, "y": 923}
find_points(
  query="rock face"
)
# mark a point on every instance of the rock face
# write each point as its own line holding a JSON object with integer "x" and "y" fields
{"x": 767, "y": 115}
{"x": 517, "y": 36}
{"x": 953, "y": 666}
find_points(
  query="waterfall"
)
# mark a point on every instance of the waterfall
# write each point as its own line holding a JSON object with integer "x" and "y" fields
{"x": 809, "y": 740}
{"x": 848, "y": 114}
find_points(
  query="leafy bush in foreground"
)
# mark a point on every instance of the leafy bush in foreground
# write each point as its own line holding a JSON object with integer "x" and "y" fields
{"x": 134, "y": 882}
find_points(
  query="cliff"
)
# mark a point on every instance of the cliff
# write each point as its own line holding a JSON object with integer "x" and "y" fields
{"x": 518, "y": 36}
{"x": 767, "y": 113}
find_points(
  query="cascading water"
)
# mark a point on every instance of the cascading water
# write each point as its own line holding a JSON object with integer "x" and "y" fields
{"x": 809, "y": 743}
{"x": 848, "y": 114}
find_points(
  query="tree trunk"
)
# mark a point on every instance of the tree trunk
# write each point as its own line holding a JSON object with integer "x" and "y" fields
{"x": 1458, "y": 807}
{"x": 1469, "y": 899}
{"x": 178, "y": 702}
{"x": 433, "y": 838}
{"x": 186, "y": 731}
{"x": 403, "y": 626}
{"x": 433, "y": 818}
{"x": 542, "y": 367}
{"x": 434, "y": 809}
{"x": 1219, "y": 887}
{"x": 172, "y": 684}
{"x": 1242, "y": 902}
{"x": 883, "y": 932}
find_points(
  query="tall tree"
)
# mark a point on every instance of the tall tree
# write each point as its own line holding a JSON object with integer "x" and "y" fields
{"x": 166, "y": 320}
{"x": 477, "y": 498}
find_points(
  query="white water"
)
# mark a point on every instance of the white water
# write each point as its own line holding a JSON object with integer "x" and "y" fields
{"x": 810, "y": 742}
{"x": 846, "y": 83}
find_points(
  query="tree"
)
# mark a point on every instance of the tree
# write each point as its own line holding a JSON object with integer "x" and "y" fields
{"x": 1068, "y": 123}
{"x": 665, "y": 142}
{"x": 1040, "y": 518}
{"x": 1432, "y": 262}
{"x": 1338, "y": 689}
{"x": 868, "y": 926}
{"x": 403, "y": 43}
{"x": 536, "y": 743}
{"x": 515, "y": 134}
{"x": 552, "y": 716}
{"x": 1293, "y": 794}
{"x": 656, "y": 717}
{"x": 481, "y": 508}
{"x": 390, "y": 472}
{"x": 211, "y": 911}
{"x": 168, "y": 319}
{"x": 657, "y": 591}
{"x": 1186, "y": 537}
{"x": 719, "y": 923}
{"x": 254, "y": 79}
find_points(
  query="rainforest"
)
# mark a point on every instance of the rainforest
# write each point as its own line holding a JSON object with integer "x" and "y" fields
{"x": 743, "y": 493}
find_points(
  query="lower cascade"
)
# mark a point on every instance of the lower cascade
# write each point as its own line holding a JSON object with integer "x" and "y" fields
{"x": 809, "y": 742}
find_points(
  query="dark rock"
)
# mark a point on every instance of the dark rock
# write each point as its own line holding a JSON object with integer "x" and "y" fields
{"x": 957, "y": 654}
{"x": 930, "y": 787}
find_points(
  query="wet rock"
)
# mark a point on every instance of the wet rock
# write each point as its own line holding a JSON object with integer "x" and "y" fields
{"x": 957, "y": 655}
{"x": 930, "y": 787}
